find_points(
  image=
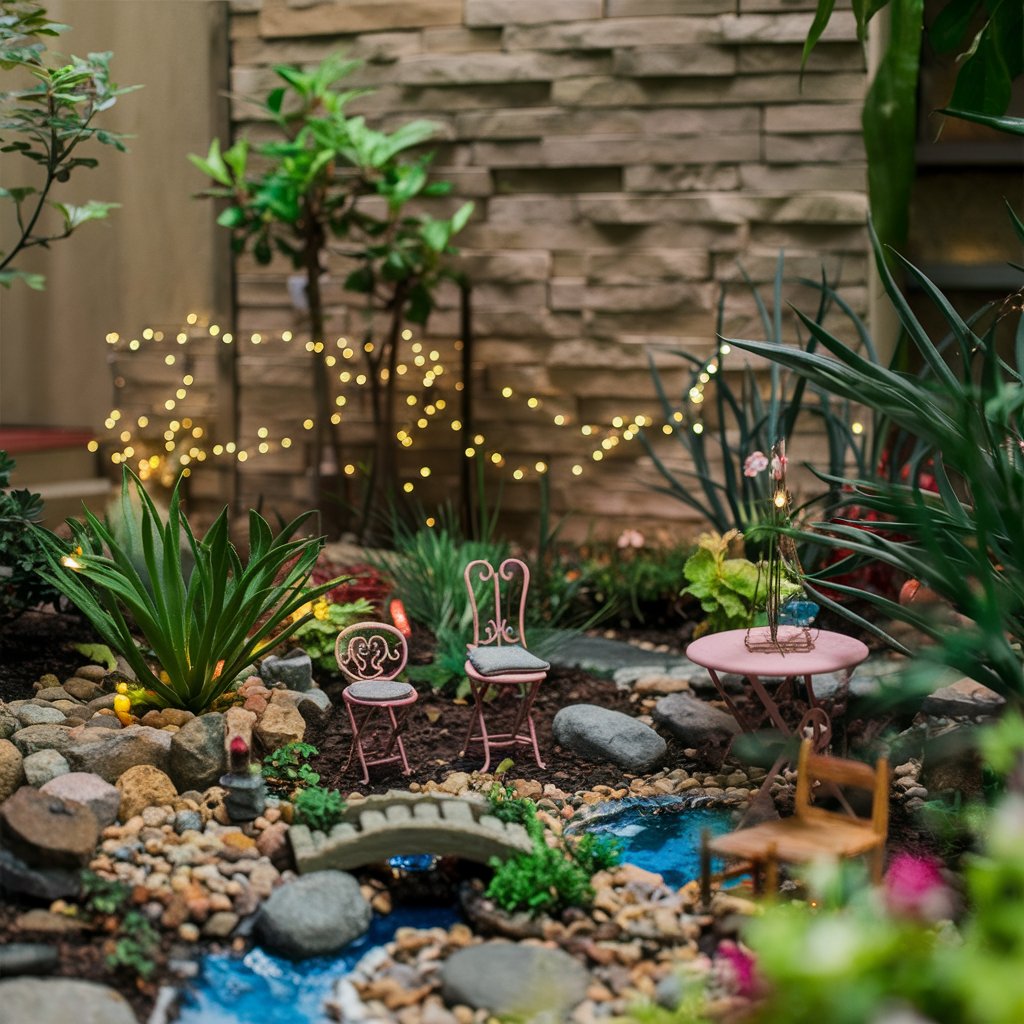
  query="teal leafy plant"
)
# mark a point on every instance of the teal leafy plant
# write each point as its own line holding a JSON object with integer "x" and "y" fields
{"x": 731, "y": 590}
{"x": 202, "y": 631}
{"x": 319, "y": 808}
{"x": 48, "y": 119}
{"x": 328, "y": 183}
{"x": 965, "y": 413}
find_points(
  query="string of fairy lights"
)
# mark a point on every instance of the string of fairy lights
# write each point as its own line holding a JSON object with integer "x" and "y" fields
{"x": 428, "y": 399}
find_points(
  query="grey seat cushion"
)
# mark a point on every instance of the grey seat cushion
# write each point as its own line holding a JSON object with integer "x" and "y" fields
{"x": 499, "y": 660}
{"x": 380, "y": 690}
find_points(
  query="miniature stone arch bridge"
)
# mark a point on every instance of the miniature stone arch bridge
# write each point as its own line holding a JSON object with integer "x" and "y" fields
{"x": 399, "y": 823}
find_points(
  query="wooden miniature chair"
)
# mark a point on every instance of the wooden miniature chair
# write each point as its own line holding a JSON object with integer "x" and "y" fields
{"x": 499, "y": 663}
{"x": 812, "y": 833}
{"x": 371, "y": 655}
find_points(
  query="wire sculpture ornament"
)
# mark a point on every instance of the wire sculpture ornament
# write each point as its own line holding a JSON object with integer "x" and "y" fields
{"x": 781, "y": 564}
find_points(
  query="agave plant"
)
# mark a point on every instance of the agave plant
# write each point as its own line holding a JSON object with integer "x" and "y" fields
{"x": 965, "y": 540}
{"x": 203, "y": 623}
{"x": 745, "y": 422}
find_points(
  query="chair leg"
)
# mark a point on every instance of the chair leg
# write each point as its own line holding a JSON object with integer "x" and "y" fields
{"x": 771, "y": 873}
{"x": 877, "y": 864}
{"x": 357, "y": 743}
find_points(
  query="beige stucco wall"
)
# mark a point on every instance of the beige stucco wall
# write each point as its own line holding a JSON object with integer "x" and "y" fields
{"x": 157, "y": 257}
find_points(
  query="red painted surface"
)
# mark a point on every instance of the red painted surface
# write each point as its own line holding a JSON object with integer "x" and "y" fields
{"x": 40, "y": 439}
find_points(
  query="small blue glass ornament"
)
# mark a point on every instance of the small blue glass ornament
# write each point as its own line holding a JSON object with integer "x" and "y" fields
{"x": 798, "y": 612}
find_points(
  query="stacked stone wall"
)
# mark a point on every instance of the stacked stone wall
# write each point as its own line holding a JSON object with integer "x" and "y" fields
{"x": 627, "y": 159}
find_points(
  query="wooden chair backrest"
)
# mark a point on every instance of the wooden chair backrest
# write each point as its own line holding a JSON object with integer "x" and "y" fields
{"x": 840, "y": 772}
{"x": 371, "y": 651}
{"x": 497, "y": 629}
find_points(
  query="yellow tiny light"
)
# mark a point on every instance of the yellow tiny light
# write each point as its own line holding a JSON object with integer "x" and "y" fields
{"x": 559, "y": 420}
{"x": 780, "y": 499}
{"x": 424, "y": 471}
{"x": 93, "y": 446}
{"x": 698, "y": 428}
{"x": 408, "y": 487}
{"x": 506, "y": 392}
{"x": 577, "y": 470}
{"x": 541, "y": 467}
{"x": 70, "y": 562}
{"x": 192, "y": 318}
{"x": 518, "y": 474}
{"x": 470, "y": 452}
{"x": 857, "y": 428}
{"x": 667, "y": 428}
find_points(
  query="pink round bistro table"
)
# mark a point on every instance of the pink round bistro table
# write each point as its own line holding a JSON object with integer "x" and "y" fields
{"x": 728, "y": 652}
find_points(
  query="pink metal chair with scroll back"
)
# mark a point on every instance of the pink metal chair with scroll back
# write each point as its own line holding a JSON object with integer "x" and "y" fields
{"x": 371, "y": 655}
{"x": 498, "y": 660}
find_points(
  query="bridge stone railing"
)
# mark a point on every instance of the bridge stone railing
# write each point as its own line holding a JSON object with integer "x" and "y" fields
{"x": 400, "y": 823}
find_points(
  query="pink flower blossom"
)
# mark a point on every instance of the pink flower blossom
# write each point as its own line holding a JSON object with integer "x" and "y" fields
{"x": 779, "y": 464}
{"x": 630, "y": 539}
{"x": 914, "y": 887}
{"x": 741, "y": 968}
{"x": 756, "y": 462}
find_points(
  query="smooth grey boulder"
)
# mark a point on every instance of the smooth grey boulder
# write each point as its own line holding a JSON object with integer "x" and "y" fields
{"x": 102, "y": 798}
{"x": 695, "y": 722}
{"x": 605, "y": 735}
{"x": 28, "y": 958}
{"x": 109, "y": 753}
{"x": 39, "y": 714}
{"x": 509, "y": 980}
{"x": 295, "y": 670}
{"x": 314, "y": 915}
{"x": 43, "y": 737}
{"x": 30, "y": 880}
{"x": 60, "y": 1000}
{"x": 44, "y": 765}
{"x": 198, "y": 758}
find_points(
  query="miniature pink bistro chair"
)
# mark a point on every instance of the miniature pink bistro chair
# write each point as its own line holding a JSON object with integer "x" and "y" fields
{"x": 498, "y": 660}
{"x": 371, "y": 654}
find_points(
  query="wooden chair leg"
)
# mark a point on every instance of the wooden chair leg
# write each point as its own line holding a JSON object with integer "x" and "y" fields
{"x": 771, "y": 873}
{"x": 877, "y": 864}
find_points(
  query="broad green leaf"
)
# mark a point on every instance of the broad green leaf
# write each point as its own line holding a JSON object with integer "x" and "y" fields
{"x": 890, "y": 124}
{"x": 950, "y": 25}
{"x": 99, "y": 653}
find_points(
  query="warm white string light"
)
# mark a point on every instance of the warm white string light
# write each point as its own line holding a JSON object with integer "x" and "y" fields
{"x": 183, "y": 447}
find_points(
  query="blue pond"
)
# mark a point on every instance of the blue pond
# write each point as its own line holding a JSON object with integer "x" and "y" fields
{"x": 661, "y": 835}
{"x": 262, "y": 989}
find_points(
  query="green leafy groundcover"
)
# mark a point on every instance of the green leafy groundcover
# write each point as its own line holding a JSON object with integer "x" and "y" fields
{"x": 203, "y": 626}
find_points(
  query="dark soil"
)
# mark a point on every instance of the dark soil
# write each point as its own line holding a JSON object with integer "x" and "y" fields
{"x": 437, "y": 730}
{"x": 39, "y": 643}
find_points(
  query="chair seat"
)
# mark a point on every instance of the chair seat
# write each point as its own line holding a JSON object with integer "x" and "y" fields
{"x": 506, "y": 679}
{"x": 796, "y": 840}
{"x": 380, "y": 690}
{"x": 505, "y": 659}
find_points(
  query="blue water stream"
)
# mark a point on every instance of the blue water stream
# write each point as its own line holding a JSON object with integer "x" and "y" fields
{"x": 660, "y": 836}
{"x": 258, "y": 988}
